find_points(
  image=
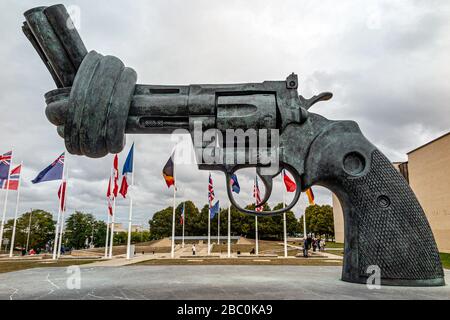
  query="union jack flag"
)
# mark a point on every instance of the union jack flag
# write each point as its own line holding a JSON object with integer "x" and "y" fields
{"x": 60, "y": 160}
{"x": 257, "y": 195}
{"x": 13, "y": 179}
{"x": 5, "y": 163}
{"x": 210, "y": 191}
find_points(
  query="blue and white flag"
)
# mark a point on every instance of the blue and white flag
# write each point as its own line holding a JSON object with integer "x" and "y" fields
{"x": 52, "y": 172}
{"x": 214, "y": 210}
{"x": 235, "y": 184}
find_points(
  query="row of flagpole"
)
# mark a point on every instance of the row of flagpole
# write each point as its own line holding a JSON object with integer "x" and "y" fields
{"x": 2, "y": 227}
{"x": 128, "y": 168}
{"x": 61, "y": 209}
{"x": 170, "y": 176}
{"x": 6, "y": 163}
{"x": 16, "y": 171}
{"x": 58, "y": 170}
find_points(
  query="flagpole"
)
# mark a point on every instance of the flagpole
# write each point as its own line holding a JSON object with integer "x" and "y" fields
{"x": 64, "y": 201}
{"x": 172, "y": 251}
{"x": 29, "y": 230}
{"x": 111, "y": 236}
{"x": 256, "y": 235}
{"x": 218, "y": 227}
{"x": 304, "y": 225}
{"x": 209, "y": 231}
{"x": 284, "y": 219}
{"x": 229, "y": 233}
{"x": 130, "y": 214}
{"x": 2, "y": 227}
{"x": 58, "y": 220}
{"x": 55, "y": 243}
{"x": 209, "y": 219}
{"x": 285, "y": 233}
{"x": 184, "y": 222}
{"x": 107, "y": 235}
{"x": 13, "y": 237}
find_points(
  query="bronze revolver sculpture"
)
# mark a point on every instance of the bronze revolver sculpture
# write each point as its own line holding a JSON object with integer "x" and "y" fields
{"x": 97, "y": 101}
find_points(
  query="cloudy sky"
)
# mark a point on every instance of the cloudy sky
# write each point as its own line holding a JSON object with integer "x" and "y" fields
{"x": 386, "y": 63}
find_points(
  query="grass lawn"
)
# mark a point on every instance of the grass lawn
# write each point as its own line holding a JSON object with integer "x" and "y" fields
{"x": 334, "y": 245}
{"x": 117, "y": 250}
{"x": 445, "y": 259}
{"x": 9, "y": 266}
{"x": 336, "y": 252}
{"x": 265, "y": 247}
{"x": 242, "y": 261}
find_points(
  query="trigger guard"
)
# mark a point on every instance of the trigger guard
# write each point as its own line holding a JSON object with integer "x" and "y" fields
{"x": 268, "y": 186}
{"x": 266, "y": 213}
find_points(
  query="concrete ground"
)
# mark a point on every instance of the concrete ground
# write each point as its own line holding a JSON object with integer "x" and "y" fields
{"x": 200, "y": 282}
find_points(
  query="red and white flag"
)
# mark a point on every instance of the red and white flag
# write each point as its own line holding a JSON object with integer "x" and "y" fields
{"x": 116, "y": 175}
{"x": 257, "y": 196}
{"x": 14, "y": 177}
{"x": 110, "y": 197}
{"x": 62, "y": 196}
{"x": 289, "y": 183}
{"x": 210, "y": 191}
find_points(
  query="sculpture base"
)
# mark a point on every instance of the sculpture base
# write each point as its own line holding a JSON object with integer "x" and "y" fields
{"x": 437, "y": 282}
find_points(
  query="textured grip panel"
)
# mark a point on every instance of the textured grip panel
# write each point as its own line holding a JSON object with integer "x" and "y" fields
{"x": 393, "y": 232}
{"x": 384, "y": 224}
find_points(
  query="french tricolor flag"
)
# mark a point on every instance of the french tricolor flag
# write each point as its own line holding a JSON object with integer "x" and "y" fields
{"x": 127, "y": 169}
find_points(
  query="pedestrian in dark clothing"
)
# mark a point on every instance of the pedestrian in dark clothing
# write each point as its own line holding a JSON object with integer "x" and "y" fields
{"x": 305, "y": 248}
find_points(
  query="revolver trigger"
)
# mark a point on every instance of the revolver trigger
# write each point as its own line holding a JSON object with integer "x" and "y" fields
{"x": 308, "y": 103}
{"x": 268, "y": 185}
{"x": 268, "y": 181}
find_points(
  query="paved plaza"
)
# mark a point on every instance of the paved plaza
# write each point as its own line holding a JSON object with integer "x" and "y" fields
{"x": 200, "y": 282}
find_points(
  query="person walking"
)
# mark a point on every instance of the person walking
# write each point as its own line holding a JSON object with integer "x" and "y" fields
{"x": 193, "y": 249}
{"x": 305, "y": 248}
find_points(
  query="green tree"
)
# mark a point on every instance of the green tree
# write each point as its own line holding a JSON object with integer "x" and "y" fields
{"x": 161, "y": 223}
{"x": 292, "y": 224}
{"x": 142, "y": 236}
{"x": 79, "y": 230}
{"x": 42, "y": 229}
{"x": 196, "y": 223}
{"x": 120, "y": 238}
{"x": 319, "y": 220}
{"x": 99, "y": 233}
{"x": 193, "y": 221}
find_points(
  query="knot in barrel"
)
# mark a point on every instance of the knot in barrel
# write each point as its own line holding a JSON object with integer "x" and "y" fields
{"x": 92, "y": 114}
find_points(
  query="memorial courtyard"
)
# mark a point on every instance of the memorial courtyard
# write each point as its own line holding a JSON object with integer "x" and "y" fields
{"x": 153, "y": 274}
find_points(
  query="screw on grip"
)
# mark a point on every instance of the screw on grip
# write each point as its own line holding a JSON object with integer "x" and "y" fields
{"x": 268, "y": 183}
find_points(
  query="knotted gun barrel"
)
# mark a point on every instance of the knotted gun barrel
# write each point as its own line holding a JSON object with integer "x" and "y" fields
{"x": 97, "y": 101}
{"x": 54, "y": 36}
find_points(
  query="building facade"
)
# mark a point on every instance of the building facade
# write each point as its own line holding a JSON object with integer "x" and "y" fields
{"x": 428, "y": 173}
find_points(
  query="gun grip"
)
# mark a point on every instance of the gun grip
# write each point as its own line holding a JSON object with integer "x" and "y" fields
{"x": 384, "y": 224}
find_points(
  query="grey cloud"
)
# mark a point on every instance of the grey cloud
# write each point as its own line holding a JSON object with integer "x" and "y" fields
{"x": 386, "y": 63}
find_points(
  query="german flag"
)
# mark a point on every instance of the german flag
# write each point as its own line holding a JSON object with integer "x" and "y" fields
{"x": 310, "y": 195}
{"x": 168, "y": 172}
